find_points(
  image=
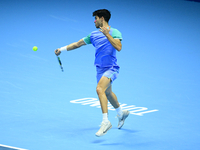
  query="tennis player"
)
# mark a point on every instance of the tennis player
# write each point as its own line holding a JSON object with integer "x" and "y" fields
{"x": 106, "y": 41}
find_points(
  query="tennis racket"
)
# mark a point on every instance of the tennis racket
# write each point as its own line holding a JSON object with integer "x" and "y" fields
{"x": 60, "y": 63}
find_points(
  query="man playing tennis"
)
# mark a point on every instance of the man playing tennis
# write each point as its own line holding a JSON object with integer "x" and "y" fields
{"x": 106, "y": 41}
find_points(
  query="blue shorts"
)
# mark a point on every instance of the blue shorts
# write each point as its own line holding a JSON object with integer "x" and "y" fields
{"x": 109, "y": 72}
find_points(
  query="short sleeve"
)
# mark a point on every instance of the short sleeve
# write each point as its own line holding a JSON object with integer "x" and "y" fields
{"x": 116, "y": 34}
{"x": 87, "y": 39}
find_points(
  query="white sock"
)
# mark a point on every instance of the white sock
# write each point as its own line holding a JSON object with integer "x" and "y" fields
{"x": 105, "y": 117}
{"x": 119, "y": 111}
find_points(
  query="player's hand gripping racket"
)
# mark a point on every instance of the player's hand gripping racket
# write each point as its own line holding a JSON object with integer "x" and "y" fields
{"x": 60, "y": 62}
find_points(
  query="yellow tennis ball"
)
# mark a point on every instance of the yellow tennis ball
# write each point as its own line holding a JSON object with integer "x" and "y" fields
{"x": 35, "y": 48}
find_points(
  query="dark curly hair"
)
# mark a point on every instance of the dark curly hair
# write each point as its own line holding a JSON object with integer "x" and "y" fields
{"x": 103, "y": 13}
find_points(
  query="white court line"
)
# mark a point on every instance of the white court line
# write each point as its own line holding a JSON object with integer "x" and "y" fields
{"x": 5, "y": 146}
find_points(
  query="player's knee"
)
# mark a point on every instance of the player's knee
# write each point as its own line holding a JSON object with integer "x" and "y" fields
{"x": 99, "y": 90}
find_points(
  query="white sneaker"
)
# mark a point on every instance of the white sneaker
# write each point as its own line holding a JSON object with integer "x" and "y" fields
{"x": 122, "y": 119}
{"x": 105, "y": 126}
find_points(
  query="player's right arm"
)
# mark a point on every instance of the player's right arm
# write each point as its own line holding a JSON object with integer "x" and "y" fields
{"x": 75, "y": 45}
{"x": 70, "y": 47}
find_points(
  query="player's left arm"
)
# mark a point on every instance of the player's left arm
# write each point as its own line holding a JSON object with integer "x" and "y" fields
{"x": 116, "y": 43}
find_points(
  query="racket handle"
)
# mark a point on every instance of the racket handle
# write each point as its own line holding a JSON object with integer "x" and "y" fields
{"x": 60, "y": 63}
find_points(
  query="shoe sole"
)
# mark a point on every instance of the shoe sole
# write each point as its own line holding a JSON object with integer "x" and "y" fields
{"x": 104, "y": 132}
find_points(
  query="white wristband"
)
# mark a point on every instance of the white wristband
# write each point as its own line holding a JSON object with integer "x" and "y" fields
{"x": 64, "y": 48}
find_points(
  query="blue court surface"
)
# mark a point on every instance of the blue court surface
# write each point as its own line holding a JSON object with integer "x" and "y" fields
{"x": 43, "y": 108}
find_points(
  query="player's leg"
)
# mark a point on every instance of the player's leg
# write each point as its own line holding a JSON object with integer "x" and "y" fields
{"x": 121, "y": 114}
{"x": 102, "y": 85}
{"x": 112, "y": 97}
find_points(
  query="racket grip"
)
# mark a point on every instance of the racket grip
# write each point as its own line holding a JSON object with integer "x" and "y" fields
{"x": 60, "y": 63}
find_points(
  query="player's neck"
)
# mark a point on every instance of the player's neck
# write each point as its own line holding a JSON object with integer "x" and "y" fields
{"x": 105, "y": 25}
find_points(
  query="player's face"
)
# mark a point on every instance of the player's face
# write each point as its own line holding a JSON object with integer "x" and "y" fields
{"x": 98, "y": 22}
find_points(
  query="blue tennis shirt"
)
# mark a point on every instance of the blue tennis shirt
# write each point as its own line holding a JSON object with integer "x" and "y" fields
{"x": 105, "y": 55}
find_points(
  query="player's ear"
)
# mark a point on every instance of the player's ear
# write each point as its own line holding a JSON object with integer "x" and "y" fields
{"x": 102, "y": 18}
